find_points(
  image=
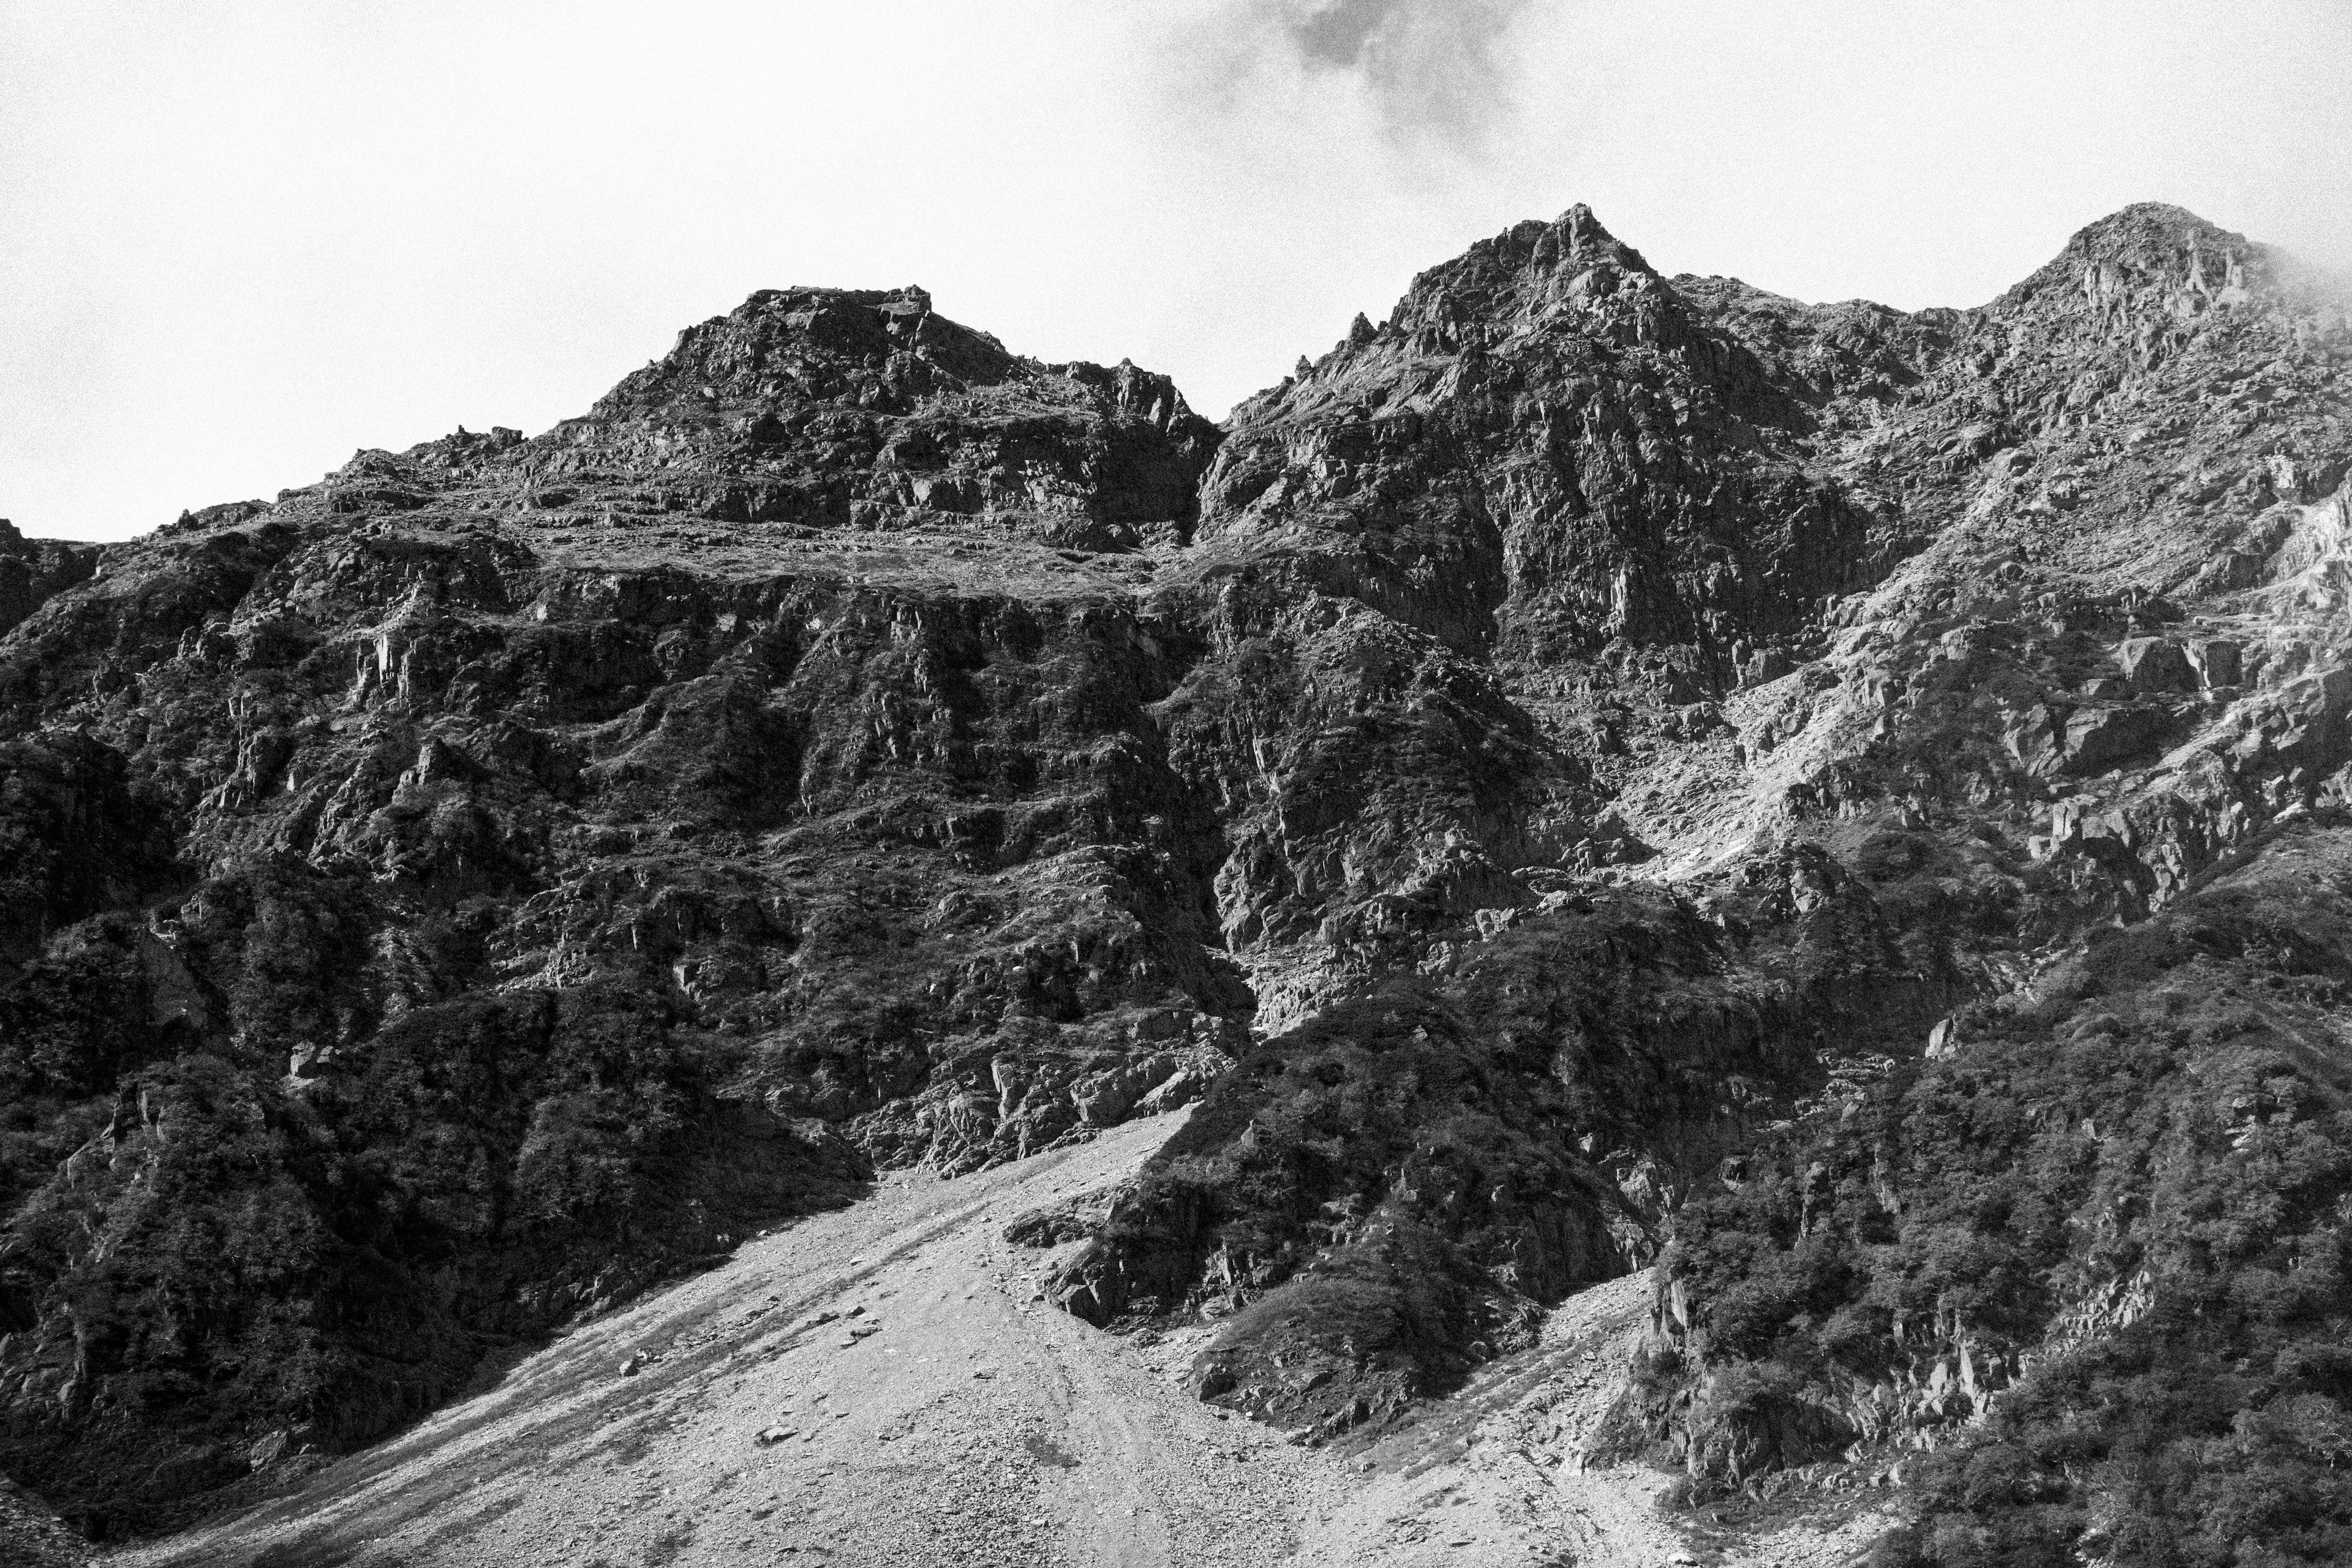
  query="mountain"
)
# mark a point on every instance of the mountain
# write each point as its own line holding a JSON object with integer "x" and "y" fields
{"x": 1598, "y": 770}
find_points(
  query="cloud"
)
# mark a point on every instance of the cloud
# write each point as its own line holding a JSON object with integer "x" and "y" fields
{"x": 1442, "y": 73}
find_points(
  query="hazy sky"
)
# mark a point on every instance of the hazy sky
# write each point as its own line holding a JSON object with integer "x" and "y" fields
{"x": 241, "y": 238}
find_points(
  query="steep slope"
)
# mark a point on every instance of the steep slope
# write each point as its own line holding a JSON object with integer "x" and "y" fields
{"x": 468, "y": 889}
{"x": 33, "y": 569}
{"x": 876, "y": 1386}
{"x": 2080, "y": 1278}
{"x": 1548, "y": 463}
{"x": 1580, "y": 734}
{"x": 2107, "y": 661}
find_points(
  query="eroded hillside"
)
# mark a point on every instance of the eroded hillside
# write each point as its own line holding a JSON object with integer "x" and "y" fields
{"x": 1528, "y": 771}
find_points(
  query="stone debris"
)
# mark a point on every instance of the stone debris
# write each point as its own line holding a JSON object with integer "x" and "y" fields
{"x": 999, "y": 752}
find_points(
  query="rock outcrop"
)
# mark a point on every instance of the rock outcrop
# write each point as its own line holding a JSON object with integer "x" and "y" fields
{"x": 451, "y": 896}
{"x": 33, "y": 569}
{"x": 1521, "y": 773}
{"x": 2076, "y": 1278}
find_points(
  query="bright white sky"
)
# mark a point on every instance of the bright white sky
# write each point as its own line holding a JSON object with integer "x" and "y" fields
{"x": 241, "y": 238}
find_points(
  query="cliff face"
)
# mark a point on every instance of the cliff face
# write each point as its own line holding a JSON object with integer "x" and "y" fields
{"x": 465, "y": 890}
{"x": 1569, "y": 736}
{"x": 33, "y": 569}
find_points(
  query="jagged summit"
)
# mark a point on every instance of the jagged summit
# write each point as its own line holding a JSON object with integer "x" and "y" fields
{"x": 1531, "y": 273}
{"x": 864, "y": 346}
{"x": 2151, "y": 233}
{"x": 1529, "y": 268}
{"x": 1548, "y": 407}
{"x": 1537, "y": 769}
{"x": 834, "y": 408}
{"x": 2149, "y": 253}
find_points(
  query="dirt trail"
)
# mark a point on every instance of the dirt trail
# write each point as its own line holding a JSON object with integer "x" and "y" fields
{"x": 1493, "y": 1476}
{"x": 1498, "y": 1474}
{"x": 884, "y": 1386}
{"x": 942, "y": 1415}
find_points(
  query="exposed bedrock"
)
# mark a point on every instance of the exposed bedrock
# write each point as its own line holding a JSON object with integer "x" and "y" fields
{"x": 1549, "y": 753}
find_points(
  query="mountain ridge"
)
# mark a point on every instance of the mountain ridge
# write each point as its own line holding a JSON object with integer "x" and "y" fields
{"x": 1510, "y": 772}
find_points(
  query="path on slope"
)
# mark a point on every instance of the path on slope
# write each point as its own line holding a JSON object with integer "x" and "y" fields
{"x": 886, "y": 1386}
{"x": 1491, "y": 1475}
{"x": 1499, "y": 1475}
{"x": 943, "y": 1414}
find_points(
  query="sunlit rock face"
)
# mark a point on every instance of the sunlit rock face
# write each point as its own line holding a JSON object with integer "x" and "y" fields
{"x": 1510, "y": 773}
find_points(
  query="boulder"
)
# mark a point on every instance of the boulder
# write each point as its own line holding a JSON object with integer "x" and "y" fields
{"x": 2155, "y": 666}
{"x": 2099, "y": 740}
{"x": 2216, "y": 661}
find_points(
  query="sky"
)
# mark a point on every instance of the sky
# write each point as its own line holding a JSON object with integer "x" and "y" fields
{"x": 241, "y": 239}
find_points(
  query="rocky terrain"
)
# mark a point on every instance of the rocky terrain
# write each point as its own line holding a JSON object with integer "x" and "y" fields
{"x": 1598, "y": 770}
{"x": 880, "y": 1385}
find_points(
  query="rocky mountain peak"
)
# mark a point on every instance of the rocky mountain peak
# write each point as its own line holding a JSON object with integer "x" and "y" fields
{"x": 857, "y": 347}
{"x": 1529, "y": 270}
{"x": 1569, "y": 272}
{"x": 831, "y": 406}
{"x": 1530, "y": 274}
{"x": 1544, "y": 765}
{"x": 2159, "y": 239}
{"x": 1556, "y": 423}
{"x": 2150, "y": 271}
